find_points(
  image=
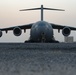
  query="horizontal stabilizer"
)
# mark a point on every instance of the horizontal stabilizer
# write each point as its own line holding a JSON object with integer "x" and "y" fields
{"x": 30, "y": 9}
{"x": 42, "y": 8}
{"x": 53, "y": 9}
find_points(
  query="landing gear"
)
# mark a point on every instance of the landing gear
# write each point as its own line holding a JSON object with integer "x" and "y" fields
{"x": 43, "y": 41}
{"x": 55, "y": 41}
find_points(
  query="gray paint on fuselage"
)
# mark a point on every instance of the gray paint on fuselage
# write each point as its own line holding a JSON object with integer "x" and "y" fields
{"x": 41, "y": 27}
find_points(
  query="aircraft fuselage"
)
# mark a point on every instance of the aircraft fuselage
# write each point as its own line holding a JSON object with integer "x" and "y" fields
{"x": 41, "y": 31}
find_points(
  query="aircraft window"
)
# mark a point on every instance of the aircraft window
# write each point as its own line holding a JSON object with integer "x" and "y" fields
{"x": 42, "y": 24}
{"x": 47, "y": 26}
{"x": 35, "y": 26}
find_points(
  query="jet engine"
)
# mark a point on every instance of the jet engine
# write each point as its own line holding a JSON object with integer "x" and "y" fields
{"x": 0, "y": 33}
{"x": 66, "y": 31}
{"x": 17, "y": 31}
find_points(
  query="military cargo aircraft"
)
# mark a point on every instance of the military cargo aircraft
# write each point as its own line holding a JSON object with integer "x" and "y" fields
{"x": 40, "y": 31}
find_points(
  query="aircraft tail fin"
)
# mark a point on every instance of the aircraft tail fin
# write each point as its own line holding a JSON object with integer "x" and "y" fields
{"x": 42, "y": 8}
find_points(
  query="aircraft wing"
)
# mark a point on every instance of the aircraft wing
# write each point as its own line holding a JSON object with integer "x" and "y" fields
{"x": 27, "y": 26}
{"x": 56, "y": 26}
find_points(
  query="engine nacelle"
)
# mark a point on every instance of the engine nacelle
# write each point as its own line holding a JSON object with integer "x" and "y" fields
{"x": 0, "y": 33}
{"x": 17, "y": 31}
{"x": 66, "y": 31}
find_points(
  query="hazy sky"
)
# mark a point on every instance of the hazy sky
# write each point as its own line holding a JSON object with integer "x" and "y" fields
{"x": 11, "y": 16}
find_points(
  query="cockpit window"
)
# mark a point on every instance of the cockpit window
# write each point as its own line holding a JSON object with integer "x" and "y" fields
{"x": 42, "y": 24}
{"x": 34, "y": 26}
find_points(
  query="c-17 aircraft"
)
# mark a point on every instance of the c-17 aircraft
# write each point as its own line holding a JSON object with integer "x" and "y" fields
{"x": 40, "y": 31}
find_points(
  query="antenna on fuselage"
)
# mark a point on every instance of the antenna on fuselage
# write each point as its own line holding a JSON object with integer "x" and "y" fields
{"x": 42, "y": 8}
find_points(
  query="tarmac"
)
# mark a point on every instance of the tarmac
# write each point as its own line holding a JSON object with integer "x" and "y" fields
{"x": 37, "y": 58}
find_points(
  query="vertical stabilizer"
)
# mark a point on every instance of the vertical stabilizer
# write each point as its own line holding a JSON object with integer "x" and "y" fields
{"x": 41, "y": 12}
